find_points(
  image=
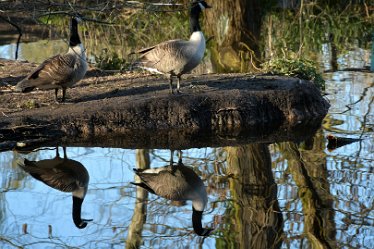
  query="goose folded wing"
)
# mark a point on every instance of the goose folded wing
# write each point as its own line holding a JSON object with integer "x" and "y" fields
{"x": 158, "y": 46}
{"x": 62, "y": 179}
{"x": 54, "y": 71}
{"x": 166, "y": 56}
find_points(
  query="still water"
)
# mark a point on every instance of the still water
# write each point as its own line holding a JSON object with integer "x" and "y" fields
{"x": 292, "y": 194}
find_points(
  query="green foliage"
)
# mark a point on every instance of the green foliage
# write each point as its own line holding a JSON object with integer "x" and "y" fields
{"x": 53, "y": 19}
{"x": 305, "y": 31}
{"x": 110, "y": 61}
{"x": 300, "y": 68}
{"x": 122, "y": 31}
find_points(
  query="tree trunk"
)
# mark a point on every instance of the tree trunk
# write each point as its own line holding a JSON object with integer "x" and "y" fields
{"x": 236, "y": 27}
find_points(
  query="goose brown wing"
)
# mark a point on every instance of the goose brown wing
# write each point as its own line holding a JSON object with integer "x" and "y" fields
{"x": 62, "y": 179}
{"x": 56, "y": 70}
{"x": 166, "y": 56}
{"x": 169, "y": 185}
{"x": 59, "y": 177}
{"x": 158, "y": 46}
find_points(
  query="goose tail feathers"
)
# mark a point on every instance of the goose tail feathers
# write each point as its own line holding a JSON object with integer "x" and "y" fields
{"x": 26, "y": 86}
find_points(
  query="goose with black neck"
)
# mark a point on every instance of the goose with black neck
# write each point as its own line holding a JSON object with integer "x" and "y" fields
{"x": 60, "y": 71}
{"x": 177, "y": 57}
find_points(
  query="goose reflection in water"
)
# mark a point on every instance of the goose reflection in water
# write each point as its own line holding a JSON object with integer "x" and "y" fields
{"x": 177, "y": 183}
{"x": 63, "y": 174}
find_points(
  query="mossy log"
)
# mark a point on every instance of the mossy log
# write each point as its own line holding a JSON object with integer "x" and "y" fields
{"x": 139, "y": 112}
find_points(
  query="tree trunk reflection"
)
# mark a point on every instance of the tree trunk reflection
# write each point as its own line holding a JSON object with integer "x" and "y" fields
{"x": 134, "y": 237}
{"x": 257, "y": 219}
{"x": 308, "y": 168}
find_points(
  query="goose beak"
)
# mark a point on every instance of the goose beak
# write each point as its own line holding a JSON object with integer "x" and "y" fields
{"x": 205, "y": 232}
{"x": 78, "y": 18}
{"x": 83, "y": 223}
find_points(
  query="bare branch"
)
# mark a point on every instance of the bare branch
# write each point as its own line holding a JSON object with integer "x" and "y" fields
{"x": 19, "y": 32}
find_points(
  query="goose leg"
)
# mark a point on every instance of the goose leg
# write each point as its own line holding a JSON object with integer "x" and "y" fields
{"x": 56, "y": 91}
{"x": 57, "y": 153}
{"x": 171, "y": 157}
{"x": 178, "y": 84}
{"x": 179, "y": 157}
{"x": 63, "y": 94}
{"x": 64, "y": 148}
{"x": 171, "y": 84}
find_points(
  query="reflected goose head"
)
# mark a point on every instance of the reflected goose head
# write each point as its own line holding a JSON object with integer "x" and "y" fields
{"x": 197, "y": 225}
{"x": 77, "y": 206}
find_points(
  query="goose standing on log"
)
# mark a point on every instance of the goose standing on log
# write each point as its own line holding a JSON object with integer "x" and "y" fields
{"x": 63, "y": 174}
{"x": 177, "y": 57}
{"x": 178, "y": 183}
{"x": 59, "y": 71}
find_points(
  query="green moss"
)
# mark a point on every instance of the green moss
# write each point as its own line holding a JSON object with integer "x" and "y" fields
{"x": 30, "y": 104}
{"x": 300, "y": 68}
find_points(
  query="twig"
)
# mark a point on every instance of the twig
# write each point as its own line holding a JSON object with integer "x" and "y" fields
{"x": 72, "y": 14}
{"x": 19, "y": 33}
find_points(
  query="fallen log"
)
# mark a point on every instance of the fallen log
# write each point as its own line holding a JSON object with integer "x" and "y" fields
{"x": 143, "y": 113}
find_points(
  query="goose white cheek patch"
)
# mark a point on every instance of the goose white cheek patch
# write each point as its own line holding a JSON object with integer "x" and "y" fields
{"x": 201, "y": 6}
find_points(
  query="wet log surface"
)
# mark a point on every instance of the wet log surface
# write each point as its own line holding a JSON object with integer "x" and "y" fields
{"x": 134, "y": 110}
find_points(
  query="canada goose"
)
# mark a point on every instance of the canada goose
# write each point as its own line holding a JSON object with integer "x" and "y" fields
{"x": 63, "y": 174}
{"x": 177, "y": 57}
{"x": 178, "y": 183}
{"x": 59, "y": 71}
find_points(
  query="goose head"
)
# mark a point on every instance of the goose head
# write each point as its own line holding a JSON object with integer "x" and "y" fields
{"x": 196, "y": 8}
{"x": 74, "y": 36}
{"x": 201, "y": 4}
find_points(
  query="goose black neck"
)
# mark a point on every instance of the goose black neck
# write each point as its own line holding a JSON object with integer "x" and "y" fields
{"x": 194, "y": 19}
{"x": 196, "y": 223}
{"x": 74, "y": 36}
{"x": 77, "y": 207}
